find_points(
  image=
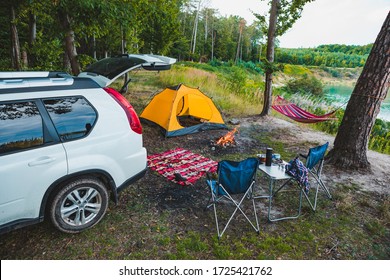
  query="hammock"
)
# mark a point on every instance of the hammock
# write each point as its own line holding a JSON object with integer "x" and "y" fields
{"x": 298, "y": 114}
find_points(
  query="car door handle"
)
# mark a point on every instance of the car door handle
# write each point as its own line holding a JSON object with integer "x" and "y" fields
{"x": 41, "y": 161}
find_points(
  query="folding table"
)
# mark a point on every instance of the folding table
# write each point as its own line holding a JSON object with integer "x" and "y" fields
{"x": 275, "y": 173}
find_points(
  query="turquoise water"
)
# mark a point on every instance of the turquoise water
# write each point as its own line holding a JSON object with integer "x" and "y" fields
{"x": 341, "y": 94}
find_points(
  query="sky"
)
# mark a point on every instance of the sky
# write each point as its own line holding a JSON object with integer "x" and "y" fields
{"x": 349, "y": 22}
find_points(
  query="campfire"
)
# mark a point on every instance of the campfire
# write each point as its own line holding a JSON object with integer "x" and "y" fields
{"x": 227, "y": 139}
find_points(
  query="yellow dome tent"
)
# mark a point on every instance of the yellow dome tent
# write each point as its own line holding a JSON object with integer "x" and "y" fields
{"x": 175, "y": 107}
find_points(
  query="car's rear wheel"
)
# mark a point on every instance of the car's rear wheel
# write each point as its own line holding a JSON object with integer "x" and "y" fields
{"x": 79, "y": 205}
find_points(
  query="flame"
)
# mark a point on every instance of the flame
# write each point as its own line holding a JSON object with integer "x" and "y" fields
{"x": 227, "y": 139}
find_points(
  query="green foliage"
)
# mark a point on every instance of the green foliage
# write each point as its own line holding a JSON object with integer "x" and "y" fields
{"x": 271, "y": 67}
{"x": 48, "y": 54}
{"x": 236, "y": 79}
{"x": 330, "y": 127}
{"x": 334, "y": 72}
{"x": 306, "y": 85}
{"x": 255, "y": 68}
{"x": 85, "y": 60}
{"x": 356, "y": 50}
{"x": 322, "y": 56}
{"x": 295, "y": 70}
{"x": 380, "y": 137}
{"x": 160, "y": 27}
{"x": 159, "y": 30}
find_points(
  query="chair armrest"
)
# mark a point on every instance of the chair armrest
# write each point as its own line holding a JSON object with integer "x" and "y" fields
{"x": 302, "y": 155}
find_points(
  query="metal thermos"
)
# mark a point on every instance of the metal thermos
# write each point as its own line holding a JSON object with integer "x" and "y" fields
{"x": 268, "y": 157}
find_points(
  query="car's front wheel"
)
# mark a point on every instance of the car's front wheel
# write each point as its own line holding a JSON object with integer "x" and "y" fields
{"x": 79, "y": 205}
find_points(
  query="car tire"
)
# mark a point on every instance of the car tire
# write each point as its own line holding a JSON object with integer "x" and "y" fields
{"x": 79, "y": 205}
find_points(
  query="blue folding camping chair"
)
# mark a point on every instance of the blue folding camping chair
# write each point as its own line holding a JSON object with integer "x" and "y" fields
{"x": 314, "y": 164}
{"x": 235, "y": 179}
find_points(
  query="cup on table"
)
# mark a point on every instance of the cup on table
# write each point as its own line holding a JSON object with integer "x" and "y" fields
{"x": 261, "y": 158}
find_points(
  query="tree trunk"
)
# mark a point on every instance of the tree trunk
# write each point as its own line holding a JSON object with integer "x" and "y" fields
{"x": 94, "y": 47}
{"x": 32, "y": 26}
{"x": 24, "y": 59}
{"x": 124, "y": 41}
{"x": 239, "y": 45}
{"x": 66, "y": 62}
{"x": 212, "y": 43}
{"x": 15, "y": 41}
{"x": 351, "y": 142}
{"x": 260, "y": 50}
{"x": 70, "y": 47}
{"x": 270, "y": 57}
{"x": 195, "y": 30}
{"x": 238, "y": 48}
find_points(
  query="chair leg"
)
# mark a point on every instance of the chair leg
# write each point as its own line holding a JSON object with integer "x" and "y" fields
{"x": 237, "y": 208}
{"x": 320, "y": 183}
{"x": 317, "y": 177}
{"x": 257, "y": 227}
{"x": 318, "y": 173}
{"x": 208, "y": 205}
{"x": 325, "y": 189}
{"x": 313, "y": 205}
{"x": 256, "y": 218}
{"x": 216, "y": 221}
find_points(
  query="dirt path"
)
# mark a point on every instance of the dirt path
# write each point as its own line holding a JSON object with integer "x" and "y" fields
{"x": 378, "y": 180}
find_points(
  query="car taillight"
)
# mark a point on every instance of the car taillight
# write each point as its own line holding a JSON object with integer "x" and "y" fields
{"x": 132, "y": 116}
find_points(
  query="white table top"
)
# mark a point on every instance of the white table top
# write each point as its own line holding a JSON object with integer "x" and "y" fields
{"x": 274, "y": 172}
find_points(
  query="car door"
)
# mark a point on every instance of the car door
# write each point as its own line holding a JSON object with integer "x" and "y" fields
{"x": 31, "y": 159}
{"x": 107, "y": 70}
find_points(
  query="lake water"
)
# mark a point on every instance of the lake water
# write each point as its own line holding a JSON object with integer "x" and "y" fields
{"x": 341, "y": 94}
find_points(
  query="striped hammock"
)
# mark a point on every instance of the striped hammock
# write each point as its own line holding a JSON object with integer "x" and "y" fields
{"x": 297, "y": 114}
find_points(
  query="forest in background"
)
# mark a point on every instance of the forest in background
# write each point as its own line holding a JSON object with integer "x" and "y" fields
{"x": 37, "y": 33}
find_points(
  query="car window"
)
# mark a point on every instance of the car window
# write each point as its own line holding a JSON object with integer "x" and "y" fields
{"x": 73, "y": 117}
{"x": 20, "y": 126}
{"x": 112, "y": 66}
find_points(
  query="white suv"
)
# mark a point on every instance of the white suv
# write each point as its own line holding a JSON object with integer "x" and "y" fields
{"x": 67, "y": 143}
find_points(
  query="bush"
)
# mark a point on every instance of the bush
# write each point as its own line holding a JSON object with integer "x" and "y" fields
{"x": 48, "y": 54}
{"x": 306, "y": 85}
{"x": 85, "y": 60}
{"x": 334, "y": 72}
{"x": 236, "y": 79}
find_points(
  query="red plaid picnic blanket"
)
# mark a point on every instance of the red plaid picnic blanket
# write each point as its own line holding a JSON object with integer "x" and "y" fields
{"x": 181, "y": 166}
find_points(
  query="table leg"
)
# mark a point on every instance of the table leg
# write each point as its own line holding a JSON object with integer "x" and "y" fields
{"x": 271, "y": 196}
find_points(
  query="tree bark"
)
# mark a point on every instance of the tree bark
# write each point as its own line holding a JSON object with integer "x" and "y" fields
{"x": 195, "y": 30}
{"x": 238, "y": 47}
{"x": 212, "y": 43}
{"x": 16, "y": 57}
{"x": 70, "y": 47}
{"x": 66, "y": 62}
{"x": 351, "y": 142}
{"x": 270, "y": 57}
{"x": 32, "y": 26}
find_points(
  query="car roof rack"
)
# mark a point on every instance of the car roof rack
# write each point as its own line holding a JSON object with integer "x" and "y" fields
{"x": 33, "y": 74}
{"x": 33, "y": 79}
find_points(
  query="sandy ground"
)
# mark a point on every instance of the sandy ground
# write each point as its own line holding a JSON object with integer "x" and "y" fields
{"x": 378, "y": 180}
